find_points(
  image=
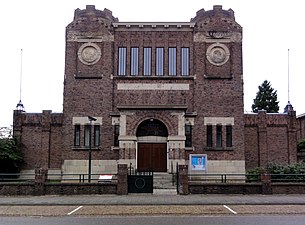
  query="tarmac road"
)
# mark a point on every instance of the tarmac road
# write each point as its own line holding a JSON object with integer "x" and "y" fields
{"x": 157, "y": 220}
{"x": 22, "y": 209}
{"x": 144, "y": 210}
{"x": 162, "y": 198}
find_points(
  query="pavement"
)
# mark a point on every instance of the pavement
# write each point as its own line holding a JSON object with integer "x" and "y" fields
{"x": 159, "y": 197}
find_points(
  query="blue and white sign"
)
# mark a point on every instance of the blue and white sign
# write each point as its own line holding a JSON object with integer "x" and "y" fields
{"x": 198, "y": 162}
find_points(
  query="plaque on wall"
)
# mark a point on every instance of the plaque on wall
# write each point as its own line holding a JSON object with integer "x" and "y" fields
{"x": 218, "y": 54}
{"x": 89, "y": 53}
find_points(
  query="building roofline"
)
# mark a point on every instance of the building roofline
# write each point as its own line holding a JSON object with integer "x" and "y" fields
{"x": 154, "y": 24}
{"x": 301, "y": 115}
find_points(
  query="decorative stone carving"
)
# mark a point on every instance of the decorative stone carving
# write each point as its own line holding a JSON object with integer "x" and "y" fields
{"x": 218, "y": 54}
{"x": 89, "y": 53}
{"x": 220, "y": 36}
{"x": 87, "y": 36}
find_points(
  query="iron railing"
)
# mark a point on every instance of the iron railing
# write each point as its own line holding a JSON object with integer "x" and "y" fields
{"x": 217, "y": 178}
{"x": 243, "y": 178}
{"x": 59, "y": 178}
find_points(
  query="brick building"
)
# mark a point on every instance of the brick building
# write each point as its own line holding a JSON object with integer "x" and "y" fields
{"x": 154, "y": 92}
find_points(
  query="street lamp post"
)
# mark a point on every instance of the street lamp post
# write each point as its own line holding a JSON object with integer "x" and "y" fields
{"x": 90, "y": 150}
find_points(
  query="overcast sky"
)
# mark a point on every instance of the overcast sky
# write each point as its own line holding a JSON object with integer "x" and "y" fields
{"x": 270, "y": 28}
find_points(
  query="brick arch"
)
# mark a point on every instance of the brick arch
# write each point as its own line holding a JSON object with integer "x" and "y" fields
{"x": 166, "y": 121}
{"x": 159, "y": 128}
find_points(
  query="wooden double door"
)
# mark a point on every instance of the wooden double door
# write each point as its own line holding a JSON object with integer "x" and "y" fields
{"x": 152, "y": 157}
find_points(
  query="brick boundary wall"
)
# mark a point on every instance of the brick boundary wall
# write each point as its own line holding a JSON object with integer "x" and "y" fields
{"x": 41, "y": 187}
{"x": 251, "y": 188}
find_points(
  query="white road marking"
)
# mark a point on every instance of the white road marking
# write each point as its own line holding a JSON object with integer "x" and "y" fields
{"x": 231, "y": 210}
{"x": 73, "y": 211}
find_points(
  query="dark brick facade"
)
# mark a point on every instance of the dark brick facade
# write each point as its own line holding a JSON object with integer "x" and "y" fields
{"x": 210, "y": 94}
{"x": 40, "y": 135}
{"x": 270, "y": 138}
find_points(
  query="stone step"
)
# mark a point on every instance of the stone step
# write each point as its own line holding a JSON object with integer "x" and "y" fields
{"x": 164, "y": 181}
{"x": 169, "y": 191}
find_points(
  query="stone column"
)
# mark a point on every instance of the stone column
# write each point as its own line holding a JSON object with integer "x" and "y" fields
{"x": 183, "y": 188}
{"x": 292, "y": 137}
{"x": 262, "y": 138}
{"x": 46, "y": 139}
{"x": 41, "y": 177}
{"x": 122, "y": 187}
{"x": 266, "y": 183}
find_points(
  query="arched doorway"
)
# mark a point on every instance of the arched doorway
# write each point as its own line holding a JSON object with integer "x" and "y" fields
{"x": 152, "y": 146}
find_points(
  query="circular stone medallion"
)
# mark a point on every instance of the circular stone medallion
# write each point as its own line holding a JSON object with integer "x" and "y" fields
{"x": 89, "y": 53}
{"x": 218, "y": 54}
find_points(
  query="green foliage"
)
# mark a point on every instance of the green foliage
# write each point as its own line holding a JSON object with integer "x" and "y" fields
{"x": 280, "y": 173}
{"x": 266, "y": 99}
{"x": 10, "y": 154}
{"x": 293, "y": 172}
{"x": 254, "y": 175}
{"x": 301, "y": 145}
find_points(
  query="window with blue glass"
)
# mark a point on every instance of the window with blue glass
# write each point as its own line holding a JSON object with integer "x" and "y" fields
{"x": 134, "y": 61}
{"x": 147, "y": 61}
{"x": 122, "y": 61}
{"x": 185, "y": 61}
{"x": 172, "y": 61}
{"x": 159, "y": 61}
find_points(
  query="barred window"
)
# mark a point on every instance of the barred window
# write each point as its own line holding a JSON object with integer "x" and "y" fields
{"x": 122, "y": 61}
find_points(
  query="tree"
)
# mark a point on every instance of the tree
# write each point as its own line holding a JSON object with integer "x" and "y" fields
{"x": 266, "y": 99}
{"x": 301, "y": 145}
{"x": 10, "y": 154}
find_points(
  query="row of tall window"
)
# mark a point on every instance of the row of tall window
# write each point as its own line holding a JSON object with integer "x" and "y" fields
{"x": 219, "y": 136}
{"x": 147, "y": 61}
{"x": 210, "y": 139}
{"x": 87, "y": 133}
{"x": 95, "y": 135}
